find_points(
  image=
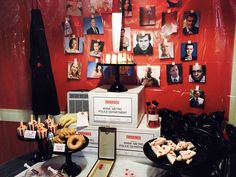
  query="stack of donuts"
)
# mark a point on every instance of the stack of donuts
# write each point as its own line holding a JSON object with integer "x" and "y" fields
{"x": 69, "y": 137}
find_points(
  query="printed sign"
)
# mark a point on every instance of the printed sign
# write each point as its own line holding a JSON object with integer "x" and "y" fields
{"x": 30, "y": 134}
{"x": 112, "y": 109}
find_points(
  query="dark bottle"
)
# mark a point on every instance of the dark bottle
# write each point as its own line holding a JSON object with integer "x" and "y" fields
{"x": 153, "y": 118}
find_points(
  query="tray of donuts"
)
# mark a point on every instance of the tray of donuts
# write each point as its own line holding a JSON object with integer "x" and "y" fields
{"x": 70, "y": 139}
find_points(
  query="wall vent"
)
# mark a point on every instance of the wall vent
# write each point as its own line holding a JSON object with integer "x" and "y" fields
{"x": 77, "y": 101}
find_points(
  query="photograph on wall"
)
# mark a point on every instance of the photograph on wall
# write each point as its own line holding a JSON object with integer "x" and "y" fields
{"x": 174, "y": 3}
{"x": 166, "y": 50}
{"x": 191, "y": 21}
{"x": 149, "y": 76}
{"x": 74, "y": 7}
{"x": 96, "y": 71}
{"x": 147, "y": 16}
{"x": 169, "y": 23}
{"x": 143, "y": 43}
{"x": 125, "y": 6}
{"x": 197, "y": 73}
{"x": 96, "y": 48}
{"x": 125, "y": 38}
{"x": 103, "y": 6}
{"x": 189, "y": 51}
{"x": 73, "y": 44}
{"x": 197, "y": 98}
{"x": 74, "y": 70}
{"x": 67, "y": 27}
{"x": 126, "y": 71}
{"x": 93, "y": 25}
{"x": 174, "y": 73}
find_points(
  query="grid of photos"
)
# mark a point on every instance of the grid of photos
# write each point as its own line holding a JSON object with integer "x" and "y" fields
{"x": 137, "y": 42}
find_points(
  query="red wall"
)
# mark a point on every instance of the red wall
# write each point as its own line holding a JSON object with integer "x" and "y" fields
{"x": 215, "y": 50}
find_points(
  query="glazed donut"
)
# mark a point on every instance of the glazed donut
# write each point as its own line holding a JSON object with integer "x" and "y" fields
{"x": 74, "y": 142}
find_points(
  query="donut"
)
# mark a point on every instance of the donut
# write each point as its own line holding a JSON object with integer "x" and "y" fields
{"x": 74, "y": 142}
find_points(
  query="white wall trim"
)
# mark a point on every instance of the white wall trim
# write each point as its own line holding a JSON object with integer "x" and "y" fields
{"x": 232, "y": 108}
{"x": 17, "y": 115}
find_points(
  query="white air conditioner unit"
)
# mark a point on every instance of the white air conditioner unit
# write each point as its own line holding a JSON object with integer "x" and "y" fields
{"x": 77, "y": 101}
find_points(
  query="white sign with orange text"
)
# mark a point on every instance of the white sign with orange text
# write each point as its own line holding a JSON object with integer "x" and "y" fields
{"x": 112, "y": 109}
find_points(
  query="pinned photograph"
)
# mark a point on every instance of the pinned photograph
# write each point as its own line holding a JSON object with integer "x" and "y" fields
{"x": 127, "y": 71}
{"x": 125, "y": 39}
{"x": 197, "y": 98}
{"x": 96, "y": 48}
{"x": 174, "y": 73}
{"x": 169, "y": 23}
{"x": 125, "y": 6}
{"x": 96, "y": 70}
{"x": 74, "y": 70}
{"x": 191, "y": 20}
{"x": 73, "y": 45}
{"x": 149, "y": 76}
{"x": 147, "y": 16}
{"x": 143, "y": 43}
{"x": 166, "y": 50}
{"x": 189, "y": 51}
{"x": 197, "y": 73}
{"x": 174, "y": 3}
{"x": 74, "y": 7}
{"x": 104, "y": 6}
{"x": 93, "y": 25}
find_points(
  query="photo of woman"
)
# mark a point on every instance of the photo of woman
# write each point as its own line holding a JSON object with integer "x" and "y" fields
{"x": 74, "y": 70}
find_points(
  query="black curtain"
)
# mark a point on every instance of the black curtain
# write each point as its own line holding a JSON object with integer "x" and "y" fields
{"x": 44, "y": 95}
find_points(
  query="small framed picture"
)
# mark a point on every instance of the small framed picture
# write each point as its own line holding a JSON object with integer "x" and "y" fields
{"x": 127, "y": 71}
{"x": 174, "y": 73}
{"x": 125, "y": 44}
{"x": 166, "y": 50}
{"x": 174, "y": 3}
{"x": 96, "y": 71}
{"x": 93, "y": 25}
{"x": 74, "y": 7}
{"x": 191, "y": 21}
{"x": 104, "y": 6}
{"x": 73, "y": 45}
{"x": 189, "y": 51}
{"x": 197, "y": 73}
{"x": 125, "y": 6}
{"x": 74, "y": 70}
{"x": 96, "y": 48}
{"x": 143, "y": 43}
{"x": 197, "y": 99}
{"x": 149, "y": 76}
{"x": 147, "y": 15}
{"x": 169, "y": 23}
